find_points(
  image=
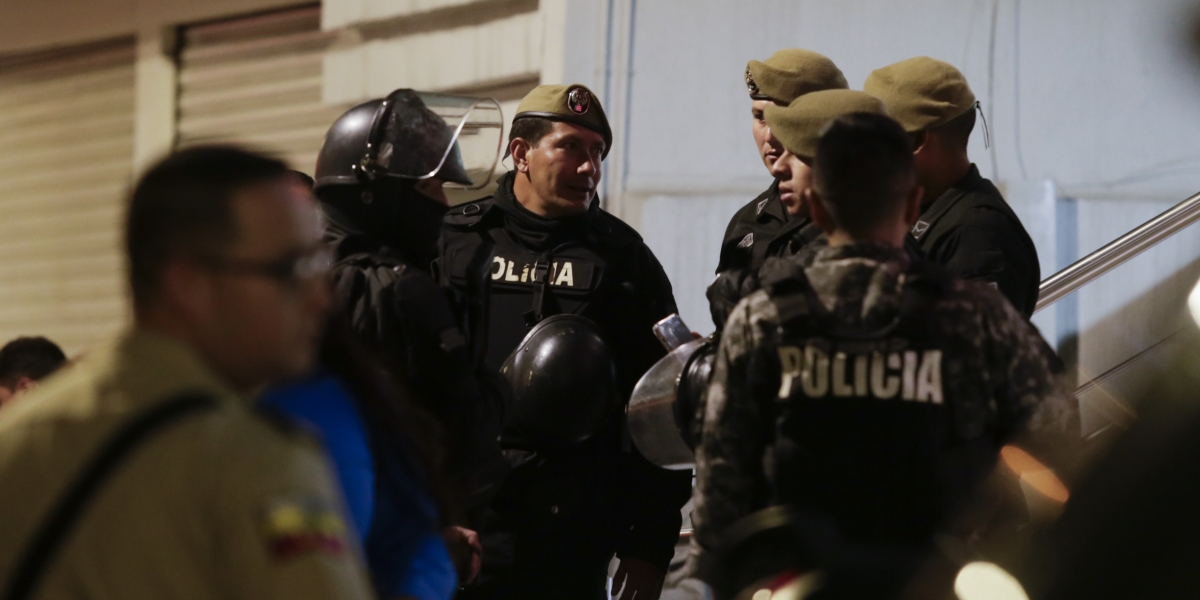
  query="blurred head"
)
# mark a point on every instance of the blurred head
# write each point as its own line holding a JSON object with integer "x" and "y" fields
{"x": 23, "y": 362}
{"x": 798, "y": 127}
{"x": 225, "y": 254}
{"x": 864, "y": 185}
{"x": 785, "y": 76}
{"x": 557, "y": 165}
{"x": 932, "y": 101}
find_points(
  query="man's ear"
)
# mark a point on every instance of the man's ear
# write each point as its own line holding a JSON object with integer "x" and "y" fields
{"x": 816, "y": 209}
{"x": 24, "y": 384}
{"x": 912, "y": 205}
{"x": 519, "y": 149}
{"x": 921, "y": 142}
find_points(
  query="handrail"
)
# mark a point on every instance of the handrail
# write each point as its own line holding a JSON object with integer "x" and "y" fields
{"x": 1144, "y": 237}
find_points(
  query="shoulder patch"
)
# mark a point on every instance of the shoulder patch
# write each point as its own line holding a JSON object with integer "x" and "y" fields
{"x": 297, "y": 524}
{"x": 747, "y": 241}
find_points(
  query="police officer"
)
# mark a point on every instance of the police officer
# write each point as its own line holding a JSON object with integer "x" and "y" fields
{"x": 965, "y": 225}
{"x": 380, "y": 177}
{"x": 143, "y": 471}
{"x": 867, "y": 390}
{"x": 772, "y": 224}
{"x": 540, "y": 269}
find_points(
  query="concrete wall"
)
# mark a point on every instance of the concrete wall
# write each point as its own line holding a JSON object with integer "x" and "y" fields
{"x": 1090, "y": 100}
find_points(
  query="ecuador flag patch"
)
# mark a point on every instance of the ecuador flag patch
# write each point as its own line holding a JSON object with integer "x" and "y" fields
{"x": 295, "y": 526}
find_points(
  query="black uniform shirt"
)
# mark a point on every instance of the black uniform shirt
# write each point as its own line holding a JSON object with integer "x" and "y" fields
{"x": 972, "y": 232}
{"x": 761, "y": 229}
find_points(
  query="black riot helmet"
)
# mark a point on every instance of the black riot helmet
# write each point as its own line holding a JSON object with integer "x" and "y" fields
{"x": 564, "y": 384}
{"x": 413, "y": 135}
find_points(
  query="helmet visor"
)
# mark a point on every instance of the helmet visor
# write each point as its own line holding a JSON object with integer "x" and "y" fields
{"x": 418, "y": 135}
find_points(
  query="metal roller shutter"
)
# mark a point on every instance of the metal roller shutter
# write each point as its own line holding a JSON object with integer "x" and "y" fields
{"x": 256, "y": 81}
{"x": 66, "y": 160}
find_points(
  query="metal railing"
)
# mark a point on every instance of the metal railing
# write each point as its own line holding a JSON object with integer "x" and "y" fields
{"x": 1144, "y": 237}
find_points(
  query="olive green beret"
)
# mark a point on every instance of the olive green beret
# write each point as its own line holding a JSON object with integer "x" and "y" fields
{"x": 570, "y": 103}
{"x": 791, "y": 73}
{"x": 921, "y": 93}
{"x": 798, "y": 125}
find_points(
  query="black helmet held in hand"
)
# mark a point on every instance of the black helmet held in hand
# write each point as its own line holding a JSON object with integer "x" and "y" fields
{"x": 564, "y": 385}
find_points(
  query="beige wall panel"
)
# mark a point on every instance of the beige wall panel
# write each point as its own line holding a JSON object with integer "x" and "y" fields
{"x": 66, "y": 146}
{"x": 32, "y": 25}
{"x": 256, "y": 81}
{"x": 466, "y": 58}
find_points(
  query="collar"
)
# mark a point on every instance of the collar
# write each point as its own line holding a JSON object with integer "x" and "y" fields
{"x": 970, "y": 182}
{"x": 770, "y": 206}
{"x": 150, "y": 366}
{"x": 871, "y": 251}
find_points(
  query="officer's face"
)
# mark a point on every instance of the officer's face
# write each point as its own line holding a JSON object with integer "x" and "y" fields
{"x": 769, "y": 148}
{"x": 795, "y": 178}
{"x": 264, "y": 311}
{"x": 563, "y": 169}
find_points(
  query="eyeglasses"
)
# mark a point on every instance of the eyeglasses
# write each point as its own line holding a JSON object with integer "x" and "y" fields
{"x": 291, "y": 271}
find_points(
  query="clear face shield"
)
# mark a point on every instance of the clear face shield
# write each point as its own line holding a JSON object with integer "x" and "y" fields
{"x": 419, "y": 135}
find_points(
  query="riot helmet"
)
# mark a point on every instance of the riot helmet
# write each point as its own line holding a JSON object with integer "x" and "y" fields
{"x": 564, "y": 385}
{"x": 411, "y": 135}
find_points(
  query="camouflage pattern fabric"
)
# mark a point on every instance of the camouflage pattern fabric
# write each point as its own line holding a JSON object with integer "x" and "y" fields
{"x": 1006, "y": 360}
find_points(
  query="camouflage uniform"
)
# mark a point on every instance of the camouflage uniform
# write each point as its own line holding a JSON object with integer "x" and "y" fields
{"x": 999, "y": 379}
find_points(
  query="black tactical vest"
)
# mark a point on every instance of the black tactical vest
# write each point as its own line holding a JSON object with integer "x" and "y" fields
{"x": 506, "y": 288}
{"x": 882, "y": 431}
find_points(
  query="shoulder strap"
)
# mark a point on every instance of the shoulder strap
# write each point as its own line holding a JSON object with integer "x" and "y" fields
{"x": 69, "y": 508}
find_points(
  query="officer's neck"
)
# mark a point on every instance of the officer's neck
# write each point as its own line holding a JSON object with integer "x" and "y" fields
{"x": 529, "y": 199}
{"x": 884, "y": 236}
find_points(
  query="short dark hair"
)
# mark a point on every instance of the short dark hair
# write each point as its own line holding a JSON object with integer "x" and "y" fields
{"x": 957, "y": 130}
{"x": 863, "y": 170}
{"x": 182, "y": 206}
{"x": 530, "y": 129}
{"x": 32, "y": 357}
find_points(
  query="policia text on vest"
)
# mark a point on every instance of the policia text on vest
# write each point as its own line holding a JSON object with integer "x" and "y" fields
{"x": 908, "y": 375}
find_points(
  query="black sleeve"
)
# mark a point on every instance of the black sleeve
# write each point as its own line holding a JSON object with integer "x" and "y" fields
{"x": 655, "y": 495}
{"x": 985, "y": 246}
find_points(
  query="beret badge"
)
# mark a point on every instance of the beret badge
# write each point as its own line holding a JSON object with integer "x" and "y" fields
{"x": 750, "y": 85}
{"x": 579, "y": 101}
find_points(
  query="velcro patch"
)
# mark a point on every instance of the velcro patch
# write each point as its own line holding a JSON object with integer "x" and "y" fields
{"x": 563, "y": 272}
{"x": 298, "y": 525}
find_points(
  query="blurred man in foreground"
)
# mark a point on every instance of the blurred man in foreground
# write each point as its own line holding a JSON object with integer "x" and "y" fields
{"x": 25, "y": 361}
{"x": 145, "y": 472}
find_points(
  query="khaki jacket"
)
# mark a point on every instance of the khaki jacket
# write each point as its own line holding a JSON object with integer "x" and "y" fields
{"x": 220, "y": 504}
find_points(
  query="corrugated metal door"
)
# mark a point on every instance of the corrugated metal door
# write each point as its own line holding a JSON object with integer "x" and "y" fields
{"x": 256, "y": 81}
{"x": 66, "y": 159}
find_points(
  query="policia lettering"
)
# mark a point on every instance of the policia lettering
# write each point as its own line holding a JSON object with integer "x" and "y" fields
{"x": 914, "y": 376}
{"x": 561, "y": 275}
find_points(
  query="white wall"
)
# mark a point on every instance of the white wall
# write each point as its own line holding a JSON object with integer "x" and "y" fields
{"x": 1088, "y": 99}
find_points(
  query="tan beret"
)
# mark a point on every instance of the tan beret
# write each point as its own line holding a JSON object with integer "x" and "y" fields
{"x": 791, "y": 73}
{"x": 570, "y": 103}
{"x": 798, "y": 125}
{"x": 921, "y": 93}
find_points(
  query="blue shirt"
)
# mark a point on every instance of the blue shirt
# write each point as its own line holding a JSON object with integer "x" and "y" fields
{"x": 395, "y": 518}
